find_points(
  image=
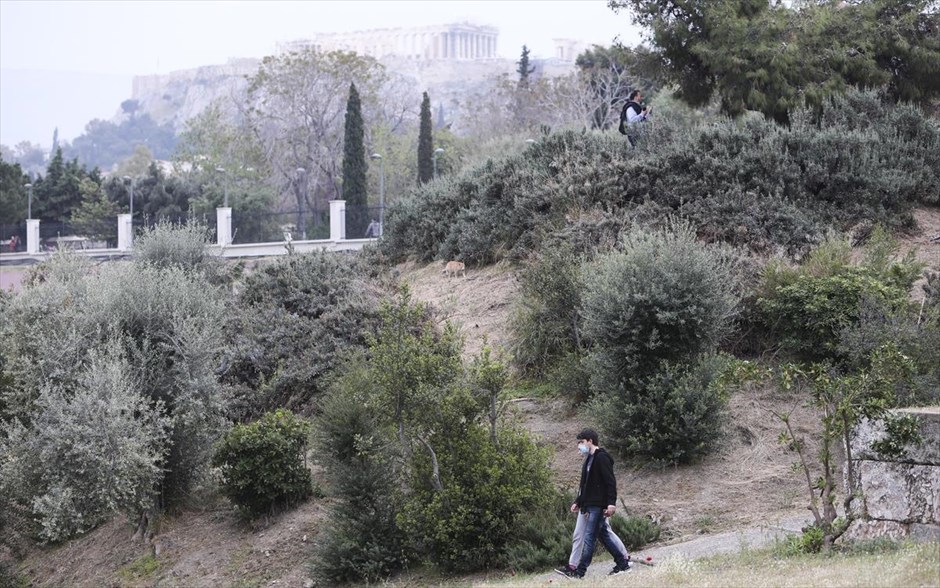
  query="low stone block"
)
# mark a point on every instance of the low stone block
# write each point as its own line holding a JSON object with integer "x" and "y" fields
{"x": 900, "y": 492}
{"x": 861, "y": 530}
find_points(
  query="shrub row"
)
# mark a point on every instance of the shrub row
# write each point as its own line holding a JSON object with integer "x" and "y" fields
{"x": 748, "y": 182}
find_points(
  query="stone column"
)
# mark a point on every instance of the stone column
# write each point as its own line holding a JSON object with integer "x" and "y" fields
{"x": 337, "y": 220}
{"x": 223, "y": 231}
{"x": 32, "y": 235}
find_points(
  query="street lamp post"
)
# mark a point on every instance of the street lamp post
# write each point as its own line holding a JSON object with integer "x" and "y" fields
{"x": 221, "y": 170}
{"x": 434, "y": 158}
{"x": 381, "y": 193}
{"x": 29, "y": 201}
{"x": 301, "y": 221}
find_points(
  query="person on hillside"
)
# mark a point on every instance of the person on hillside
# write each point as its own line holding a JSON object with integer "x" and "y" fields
{"x": 373, "y": 229}
{"x": 632, "y": 113}
{"x": 597, "y": 498}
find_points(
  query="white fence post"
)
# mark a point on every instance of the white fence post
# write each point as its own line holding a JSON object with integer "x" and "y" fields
{"x": 125, "y": 232}
{"x": 32, "y": 235}
{"x": 337, "y": 220}
{"x": 223, "y": 218}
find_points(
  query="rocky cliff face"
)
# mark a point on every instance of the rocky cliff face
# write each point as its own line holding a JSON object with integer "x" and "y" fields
{"x": 178, "y": 96}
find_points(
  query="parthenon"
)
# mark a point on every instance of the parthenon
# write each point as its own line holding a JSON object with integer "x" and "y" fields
{"x": 456, "y": 41}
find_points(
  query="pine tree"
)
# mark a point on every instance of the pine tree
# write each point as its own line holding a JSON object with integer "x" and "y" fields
{"x": 354, "y": 168}
{"x": 425, "y": 143}
{"x": 524, "y": 70}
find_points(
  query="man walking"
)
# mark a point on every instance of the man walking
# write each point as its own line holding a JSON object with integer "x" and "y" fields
{"x": 597, "y": 498}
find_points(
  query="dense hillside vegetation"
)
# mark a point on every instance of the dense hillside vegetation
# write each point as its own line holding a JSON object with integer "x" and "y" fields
{"x": 747, "y": 182}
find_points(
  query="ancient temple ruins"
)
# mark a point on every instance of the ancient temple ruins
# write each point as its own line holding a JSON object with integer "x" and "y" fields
{"x": 457, "y": 41}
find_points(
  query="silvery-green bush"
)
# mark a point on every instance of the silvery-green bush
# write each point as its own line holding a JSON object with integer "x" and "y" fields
{"x": 164, "y": 322}
{"x": 41, "y": 339}
{"x": 87, "y": 452}
{"x": 170, "y": 322}
{"x": 166, "y": 244}
{"x": 664, "y": 296}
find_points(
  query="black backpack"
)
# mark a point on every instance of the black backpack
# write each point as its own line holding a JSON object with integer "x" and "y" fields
{"x": 623, "y": 116}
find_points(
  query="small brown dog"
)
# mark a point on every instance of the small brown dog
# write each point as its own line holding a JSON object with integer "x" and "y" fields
{"x": 453, "y": 268}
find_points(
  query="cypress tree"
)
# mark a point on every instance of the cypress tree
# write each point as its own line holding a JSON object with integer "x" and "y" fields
{"x": 524, "y": 70}
{"x": 425, "y": 143}
{"x": 354, "y": 168}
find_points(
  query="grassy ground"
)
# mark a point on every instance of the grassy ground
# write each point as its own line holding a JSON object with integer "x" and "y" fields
{"x": 905, "y": 565}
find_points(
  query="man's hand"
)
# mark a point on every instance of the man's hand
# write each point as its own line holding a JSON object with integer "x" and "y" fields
{"x": 574, "y": 507}
{"x": 611, "y": 509}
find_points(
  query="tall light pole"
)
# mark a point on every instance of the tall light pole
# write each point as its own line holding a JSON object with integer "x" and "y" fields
{"x": 29, "y": 202}
{"x": 221, "y": 170}
{"x": 381, "y": 193}
{"x": 302, "y": 222}
{"x": 434, "y": 159}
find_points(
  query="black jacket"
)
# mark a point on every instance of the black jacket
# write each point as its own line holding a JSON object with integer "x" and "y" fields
{"x": 598, "y": 486}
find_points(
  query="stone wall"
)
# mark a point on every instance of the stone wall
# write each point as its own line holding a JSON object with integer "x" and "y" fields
{"x": 900, "y": 496}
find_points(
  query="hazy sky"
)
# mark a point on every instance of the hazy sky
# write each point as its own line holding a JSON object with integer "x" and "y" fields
{"x": 64, "y": 63}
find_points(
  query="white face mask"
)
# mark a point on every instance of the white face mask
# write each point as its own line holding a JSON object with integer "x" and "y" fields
{"x": 583, "y": 448}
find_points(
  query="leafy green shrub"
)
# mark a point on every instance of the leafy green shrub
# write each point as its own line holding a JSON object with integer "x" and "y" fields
{"x": 914, "y": 331}
{"x": 673, "y": 416}
{"x": 810, "y": 306}
{"x": 809, "y": 541}
{"x": 299, "y": 315}
{"x": 663, "y": 297}
{"x": 416, "y": 466}
{"x": 635, "y": 532}
{"x": 810, "y": 314}
{"x": 932, "y": 289}
{"x": 361, "y": 541}
{"x": 487, "y": 491}
{"x": 167, "y": 244}
{"x": 262, "y": 463}
{"x": 544, "y": 540}
{"x": 546, "y": 325}
{"x": 570, "y": 377}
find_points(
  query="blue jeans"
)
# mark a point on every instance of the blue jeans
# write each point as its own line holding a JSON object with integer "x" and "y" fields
{"x": 595, "y": 529}
{"x": 577, "y": 540}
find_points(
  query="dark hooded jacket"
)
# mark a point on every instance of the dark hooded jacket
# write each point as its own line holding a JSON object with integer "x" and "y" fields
{"x": 598, "y": 485}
